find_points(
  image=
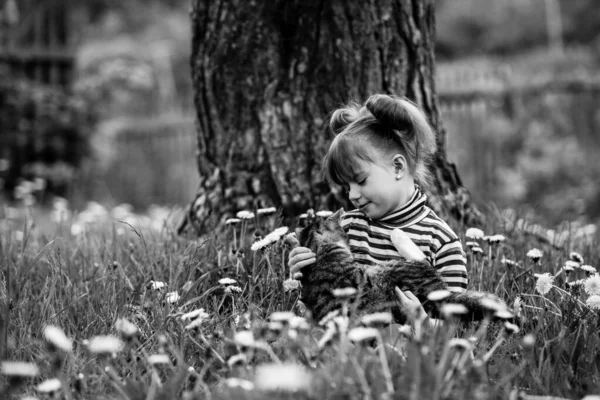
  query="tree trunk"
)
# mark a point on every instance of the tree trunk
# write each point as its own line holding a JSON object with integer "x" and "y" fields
{"x": 266, "y": 75}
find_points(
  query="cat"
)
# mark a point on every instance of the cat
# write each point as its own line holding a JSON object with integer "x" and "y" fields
{"x": 335, "y": 268}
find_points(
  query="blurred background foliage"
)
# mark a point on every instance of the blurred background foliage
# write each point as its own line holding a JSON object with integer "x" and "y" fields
{"x": 133, "y": 139}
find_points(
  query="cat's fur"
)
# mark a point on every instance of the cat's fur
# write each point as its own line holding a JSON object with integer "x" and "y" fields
{"x": 335, "y": 268}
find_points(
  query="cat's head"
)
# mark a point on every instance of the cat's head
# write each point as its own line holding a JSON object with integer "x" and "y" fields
{"x": 321, "y": 231}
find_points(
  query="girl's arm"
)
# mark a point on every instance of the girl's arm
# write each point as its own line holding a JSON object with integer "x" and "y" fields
{"x": 451, "y": 262}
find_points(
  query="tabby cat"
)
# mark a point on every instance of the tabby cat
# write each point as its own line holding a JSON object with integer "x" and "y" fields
{"x": 335, "y": 268}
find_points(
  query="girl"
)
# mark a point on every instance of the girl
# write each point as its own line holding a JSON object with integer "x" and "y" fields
{"x": 380, "y": 156}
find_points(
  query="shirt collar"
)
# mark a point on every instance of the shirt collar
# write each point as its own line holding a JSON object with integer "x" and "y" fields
{"x": 410, "y": 211}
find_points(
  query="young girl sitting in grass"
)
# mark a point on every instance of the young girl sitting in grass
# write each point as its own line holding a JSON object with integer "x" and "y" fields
{"x": 380, "y": 156}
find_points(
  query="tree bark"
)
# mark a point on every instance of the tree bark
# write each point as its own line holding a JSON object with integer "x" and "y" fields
{"x": 267, "y": 73}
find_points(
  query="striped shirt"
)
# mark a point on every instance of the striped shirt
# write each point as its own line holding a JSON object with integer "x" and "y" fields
{"x": 370, "y": 239}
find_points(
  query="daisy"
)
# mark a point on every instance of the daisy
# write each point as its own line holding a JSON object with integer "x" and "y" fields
{"x": 324, "y": 213}
{"x": 588, "y": 269}
{"x": 49, "y": 386}
{"x": 495, "y": 239}
{"x": 593, "y": 302}
{"x": 510, "y": 328}
{"x": 471, "y": 244}
{"x": 245, "y": 214}
{"x": 266, "y": 211}
{"x": 459, "y": 342}
{"x": 474, "y": 233}
{"x": 574, "y": 256}
{"x": 344, "y": 293}
{"x": 529, "y": 340}
{"x": 199, "y": 313}
{"x": 172, "y": 297}
{"x": 158, "y": 359}
{"x": 360, "y": 334}
{"x": 55, "y": 336}
{"x": 233, "y": 289}
{"x": 282, "y": 316}
{"x": 290, "y": 285}
{"x": 282, "y": 377}
{"x": 237, "y": 359}
{"x": 105, "y": 345}
{"x": 492, "y": 304}
{"x": 544, "y": 283}
{"x": 377, "y": 318}
{"x": 245, "y": 338}
{"x": 19, "y": 369}
{"x": 227, "y": 281}
{"x": 439, "y": 295}
{"x": 239, "y": 383}
{"x": 509, "y": 263}
{"x": 127, "y": 328}
{"x": 535, "y": 254}
{"x": 477, "y": 250}
{"x": 232, "y": 221}
{"x": 299, "y": 323}
{"x": 156, "y": 285}
{"x": 592, "y": 285}
{"x": 453, "y": 309}
{"x": 570, "y": 266}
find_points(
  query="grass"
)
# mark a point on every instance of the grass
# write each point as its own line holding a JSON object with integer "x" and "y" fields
{"x": 94, "y": 272}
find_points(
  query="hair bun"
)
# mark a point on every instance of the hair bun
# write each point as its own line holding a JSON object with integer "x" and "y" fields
{"x": 389, "y": 111}
{"x": 343, "y": 117}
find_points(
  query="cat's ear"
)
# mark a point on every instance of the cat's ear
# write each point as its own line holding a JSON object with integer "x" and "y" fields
{"x": 337, "y": 216}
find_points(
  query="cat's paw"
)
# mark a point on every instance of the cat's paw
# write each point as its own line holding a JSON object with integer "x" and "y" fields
{"x": 405, "y": 246}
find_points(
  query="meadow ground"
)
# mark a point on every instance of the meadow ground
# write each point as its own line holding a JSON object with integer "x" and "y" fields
{"x": 110, "y": 304}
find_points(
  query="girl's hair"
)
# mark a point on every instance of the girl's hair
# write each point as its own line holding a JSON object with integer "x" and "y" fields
{"x": 389, "y": 124}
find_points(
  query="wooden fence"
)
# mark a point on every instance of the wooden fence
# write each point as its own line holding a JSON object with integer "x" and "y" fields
{"x": 161, "y": 167}
{"x": 37, "y": 43}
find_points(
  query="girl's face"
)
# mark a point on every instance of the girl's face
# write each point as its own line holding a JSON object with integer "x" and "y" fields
{"x": 380, "y": 188}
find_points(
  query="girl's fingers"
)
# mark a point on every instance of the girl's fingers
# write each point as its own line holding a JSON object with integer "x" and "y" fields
{"x": 298, "y": 266}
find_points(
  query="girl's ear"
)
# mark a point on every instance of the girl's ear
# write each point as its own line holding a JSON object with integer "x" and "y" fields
{"x": 399, "y": 163}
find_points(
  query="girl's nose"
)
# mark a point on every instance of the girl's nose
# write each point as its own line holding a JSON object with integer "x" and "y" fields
{"x": 353, "y": 193}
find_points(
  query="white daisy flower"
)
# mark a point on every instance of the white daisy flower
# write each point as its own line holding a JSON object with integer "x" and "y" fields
{"x": 452, "y": 309}
{"x": 471, "y": 244}
{"x": 156, "y": 285}
{"x": 439, "y": 295}
{"x": 105, "y": 344}
{"x": 19, "y": 369}
{"x": 344, "y": 293}
{"x": 245, "y": 338}
{"x": 299, "y": 323}
{"x": 495, "y": 239}
{"x": 303, "y": 216}
{"x": 239, "y": 383}
{"x": 360, "y": 334}
{"x": 508, "y": 262}
{"x": 244, "y": 214}
{"x": 57, "y": 338}
{"x": 535, "y": 254}
{"x": 172, "y": 297}
{"x": 195, "y": 323}
{"x": 377, "y": 318}
{"x": 575, "y": 256}
{"x": 198, "y": 313}
{"x": 282, "y": 377}
{"x": 232, "y": 221}
{"x": 504, "y": 314}
{"x": 474, "y": 233}
{"x": 282, "y": 316}
{"x": 477, "y": 250}
{"x": 459, "y": 342}
{"x": 510, "y": 328}
{"x": 588, "y": 269}
{"x": 324, "y": 213}
{"x": 233, "y": 289}
{"x": 266, "y": 211}
{"x": 49, "y": 386}
{"x": 155, "y": 359}
{"x": 592, "y": 285}
{"x": 290, "y": 285}
{"x": 544, "y": 283}
{"x": 237, "y": 359}
{"x": 127, "y": 328}
{"x": 570, "y": 265}
{"x": 227, "y": 281}
{"x": 529, "y": 340}
{"x": 593, "y": 302}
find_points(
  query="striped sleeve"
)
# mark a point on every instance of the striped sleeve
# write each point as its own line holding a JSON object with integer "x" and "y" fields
{"x": 451, "y": 262}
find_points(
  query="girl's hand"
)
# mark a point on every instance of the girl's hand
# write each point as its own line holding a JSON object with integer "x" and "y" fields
{"x": 410, "y": 304}
{"x": 406, "y": 247}
{"x": 299, "y": 258}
